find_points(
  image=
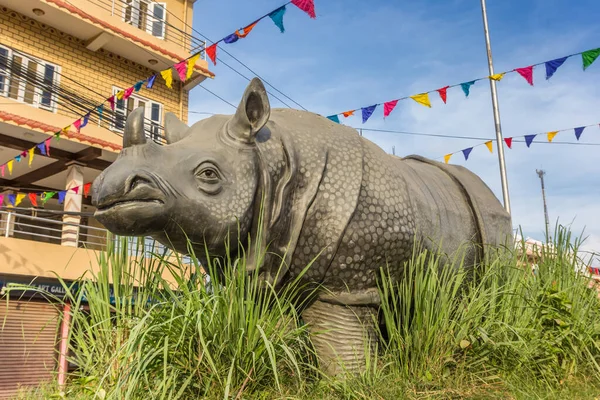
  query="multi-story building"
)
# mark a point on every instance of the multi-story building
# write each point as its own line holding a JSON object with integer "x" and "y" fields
{"x": 60, "y": 59}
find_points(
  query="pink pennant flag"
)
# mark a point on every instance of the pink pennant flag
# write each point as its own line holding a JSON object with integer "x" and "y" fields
{"x": 77, "y": 124}
{"x": 128, "y": 93}
{"x": 111, "y": 101}
{"x": 2, "y": 168}
{"x": 181, "y": 68}
{"x": 76, "y": 189}
{"x": 527, "y": 73}
{"x": 1, "y": 200}
{"x": 388, "y": 107}
{"x": 308, "y": 6}
{"x": 47, "y": 143}
{"x": 442, "y": 92}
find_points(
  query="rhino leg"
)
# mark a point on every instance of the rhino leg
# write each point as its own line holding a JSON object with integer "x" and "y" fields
{"x": 341, "y": 335}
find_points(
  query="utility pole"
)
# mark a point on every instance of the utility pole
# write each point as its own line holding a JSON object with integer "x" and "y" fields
{"x": 541, "y": 174}
{"x": 503, "y": 178}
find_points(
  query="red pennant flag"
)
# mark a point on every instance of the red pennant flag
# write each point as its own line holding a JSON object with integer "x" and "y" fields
{"x": 308, "y": 6}
{"x": 388, "y": 107}
{"x": 76, "y": 189}
{"x": 527, "y": 73}
{"x": 111, "y": 101}
{"x": 442, "y": 93}
{"x": 33, "y": 199}
{"x": 86, "y": 189}
{"x": 211, "y": 51}
{"x": 508, "y": 141}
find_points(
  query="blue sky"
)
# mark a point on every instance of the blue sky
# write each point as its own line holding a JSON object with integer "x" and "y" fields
{"x": 357, "y": 53}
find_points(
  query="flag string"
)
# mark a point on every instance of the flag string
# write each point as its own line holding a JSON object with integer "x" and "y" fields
{"x": 14, "y": 199}
{"x": 588, "y": 57}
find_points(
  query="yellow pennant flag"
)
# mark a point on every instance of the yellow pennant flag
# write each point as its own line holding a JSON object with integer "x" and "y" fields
{"x": 489, "y": 146}
{"x": 64, "y": 131}
{"x": 422, "y": 98}
{"x": 10, "y": 165}
{"x": 167, "y": 75}
{"x": 497, "y": 77}
{"x": 190, "y": 65}
{"x": 20, "y": 197}
{"x": 551, "y": 135}
{"x": 31, "y": 154}
{"x": 120, "y": 94}
{"x": 447, "y": 158}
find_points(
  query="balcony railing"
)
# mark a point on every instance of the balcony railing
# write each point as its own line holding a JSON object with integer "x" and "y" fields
{"x": 154, "y": 18}
{"x": 18, "y": 225}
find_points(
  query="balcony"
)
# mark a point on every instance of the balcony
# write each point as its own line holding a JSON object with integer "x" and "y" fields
{"x": 139, "y": 30}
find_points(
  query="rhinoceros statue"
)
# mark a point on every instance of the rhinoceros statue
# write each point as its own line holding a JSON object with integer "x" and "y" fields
{"x": 324, "y": 193}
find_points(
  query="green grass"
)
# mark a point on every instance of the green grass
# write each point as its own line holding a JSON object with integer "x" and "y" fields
{"x": 505, "y": 334}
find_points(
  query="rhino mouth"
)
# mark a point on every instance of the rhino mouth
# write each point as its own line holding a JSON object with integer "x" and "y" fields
{"x": 130, "y": 202}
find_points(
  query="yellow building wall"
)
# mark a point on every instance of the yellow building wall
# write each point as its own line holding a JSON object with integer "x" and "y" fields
{"x": 97, "y": 71}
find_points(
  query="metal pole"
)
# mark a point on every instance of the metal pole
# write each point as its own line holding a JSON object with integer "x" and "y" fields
{"x": 541, "y": 174}
{"x": 503, "y": 177}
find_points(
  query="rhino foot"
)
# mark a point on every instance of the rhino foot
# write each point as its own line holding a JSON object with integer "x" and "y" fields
{"x": 341, "y": 335}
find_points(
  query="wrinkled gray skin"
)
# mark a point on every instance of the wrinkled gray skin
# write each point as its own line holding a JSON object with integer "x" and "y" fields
{"x": 325, "y": 189}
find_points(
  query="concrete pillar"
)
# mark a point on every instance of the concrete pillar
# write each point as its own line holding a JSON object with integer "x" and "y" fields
{"x": 7, "y": 221}
{"x": 70, "y": 233}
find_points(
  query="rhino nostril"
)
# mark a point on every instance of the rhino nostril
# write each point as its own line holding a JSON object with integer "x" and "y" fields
{"x": 135, "y": 181}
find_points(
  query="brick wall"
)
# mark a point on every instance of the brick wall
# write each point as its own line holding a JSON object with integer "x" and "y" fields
{"x": 91, "y": 74}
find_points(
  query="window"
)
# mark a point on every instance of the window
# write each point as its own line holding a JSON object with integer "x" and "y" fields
{"x": 27, "y": 79}
{"x": 146, "y": 15}
{"x": 153, "y": 112}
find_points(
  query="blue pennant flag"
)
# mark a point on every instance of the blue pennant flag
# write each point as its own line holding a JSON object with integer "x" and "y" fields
{"x": 231, "y": 38}
{"x": 466, "y": 152}
{"x": 138, "y": 86}
{"x": 334, "y": 118}
{"x": 367, "y": 112}
{"x": 151, "y": 81}
{"x": 42, "y": 147}
{"x": 85, "y": 120}
{"x": 277, "y": 17}
{"x": 529, "y": 139}
{"x": 466, "y": 87}
{"x": 100, "y": 111}
{"x": 18, "y": 158}
{"x": 579, "y": 131}
{"x": 552, "y": 66}
{"x": 61, "y": 196}
{"x": 11, "y": 199}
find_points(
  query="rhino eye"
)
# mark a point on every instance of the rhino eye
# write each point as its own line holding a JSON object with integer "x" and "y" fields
{"x": 208, "y": 175}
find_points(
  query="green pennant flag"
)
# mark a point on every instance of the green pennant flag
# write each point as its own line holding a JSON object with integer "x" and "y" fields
{"x": 589, "y": 57}
{"x": 47, "y": 196}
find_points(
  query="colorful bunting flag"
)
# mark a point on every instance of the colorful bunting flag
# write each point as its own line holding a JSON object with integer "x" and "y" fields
{"x": 497, "y": 77}
{"x": 422, "y": 98}
{"x": 578, "y": 132}
{"x": 18, "y": 158}
{"x": 86, "y": 189}
{"x": 61, "y": 196}
{"x": 151, "y": 81}
{"x": 47, "y": 196}
{"x": 529, "y": 139}
{"x": 10, "y": 166}
{"x": 19, "y": 199}
{"x": 11, "y": 199}
{"x": 466, "y": 152}
{"x": 527, "y": 73}
{"x": 86, "y": 118}
{"x": 367, "y": 112}
{"x": 277, "y": 18}
{"x": 334, "y": 118}
{"x": 77, "y": 125}
{"x": 589, "y": 57}
{"x": 508, "y": 142}
{"x": 127, "y": 93}
{"x": 308, "y": 6}
{"x": 553, "y": 65}
{"x": 551, "y": 135}
{"x": 1, "y": 199}
{"x": 111, "y": 101}
{"x": 64, "y": 131}
{"x": 2, "y": 169}
{"x": 348, "y": 113}
{"x": 31, "y": 154}
{"x": 246, "y": 30}
{"x": 138, "y": 86}
{"x": 231, "y": 38}
{"x": 191, "y": 63}
{"x": 447, "y": 158}
{"x": 489, "y": 146}
{"x": 100, "y": 110}
{"x": 211, "y": 52}
{"x": 47, "y": 145}
{"x": 443, "y": 93}
{"x": 181, "y": 68}
{"x": 33, "y": 199}
{"x": 388, "y": 107}
{"x": 466, "y": 87}
{"x": 120, "y": 94}
{"x": 167, "y": 75}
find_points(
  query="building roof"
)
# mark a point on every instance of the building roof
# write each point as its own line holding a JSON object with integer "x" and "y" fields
{"x": 46, "y": 128}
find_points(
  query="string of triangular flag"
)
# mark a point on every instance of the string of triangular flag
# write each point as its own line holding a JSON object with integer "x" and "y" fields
{"x": 14, "y": 199}
{"x": 276, "y": 16}
{"x": 527, "y": 138}
{"x": 588, "y": 57}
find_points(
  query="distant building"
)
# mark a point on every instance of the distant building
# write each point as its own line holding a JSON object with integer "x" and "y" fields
{"x": 57, "y": 59}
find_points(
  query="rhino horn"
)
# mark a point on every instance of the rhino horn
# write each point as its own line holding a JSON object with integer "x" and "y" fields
{"x": 252, "y": 113}
{"x": 134, "y": 128}
{"x": 175, "y": 129}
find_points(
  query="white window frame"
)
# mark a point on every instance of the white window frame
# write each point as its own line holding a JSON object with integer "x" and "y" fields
{"x": 37, "y": 91}
{"x": 139, "y": 18}
{"x": 151, "y": 126}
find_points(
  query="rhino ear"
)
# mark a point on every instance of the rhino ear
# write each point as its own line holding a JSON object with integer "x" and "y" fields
{"x": 134, "y": 128}
{"x": 252, "y": 113}
{"x": 175, "y": 129}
